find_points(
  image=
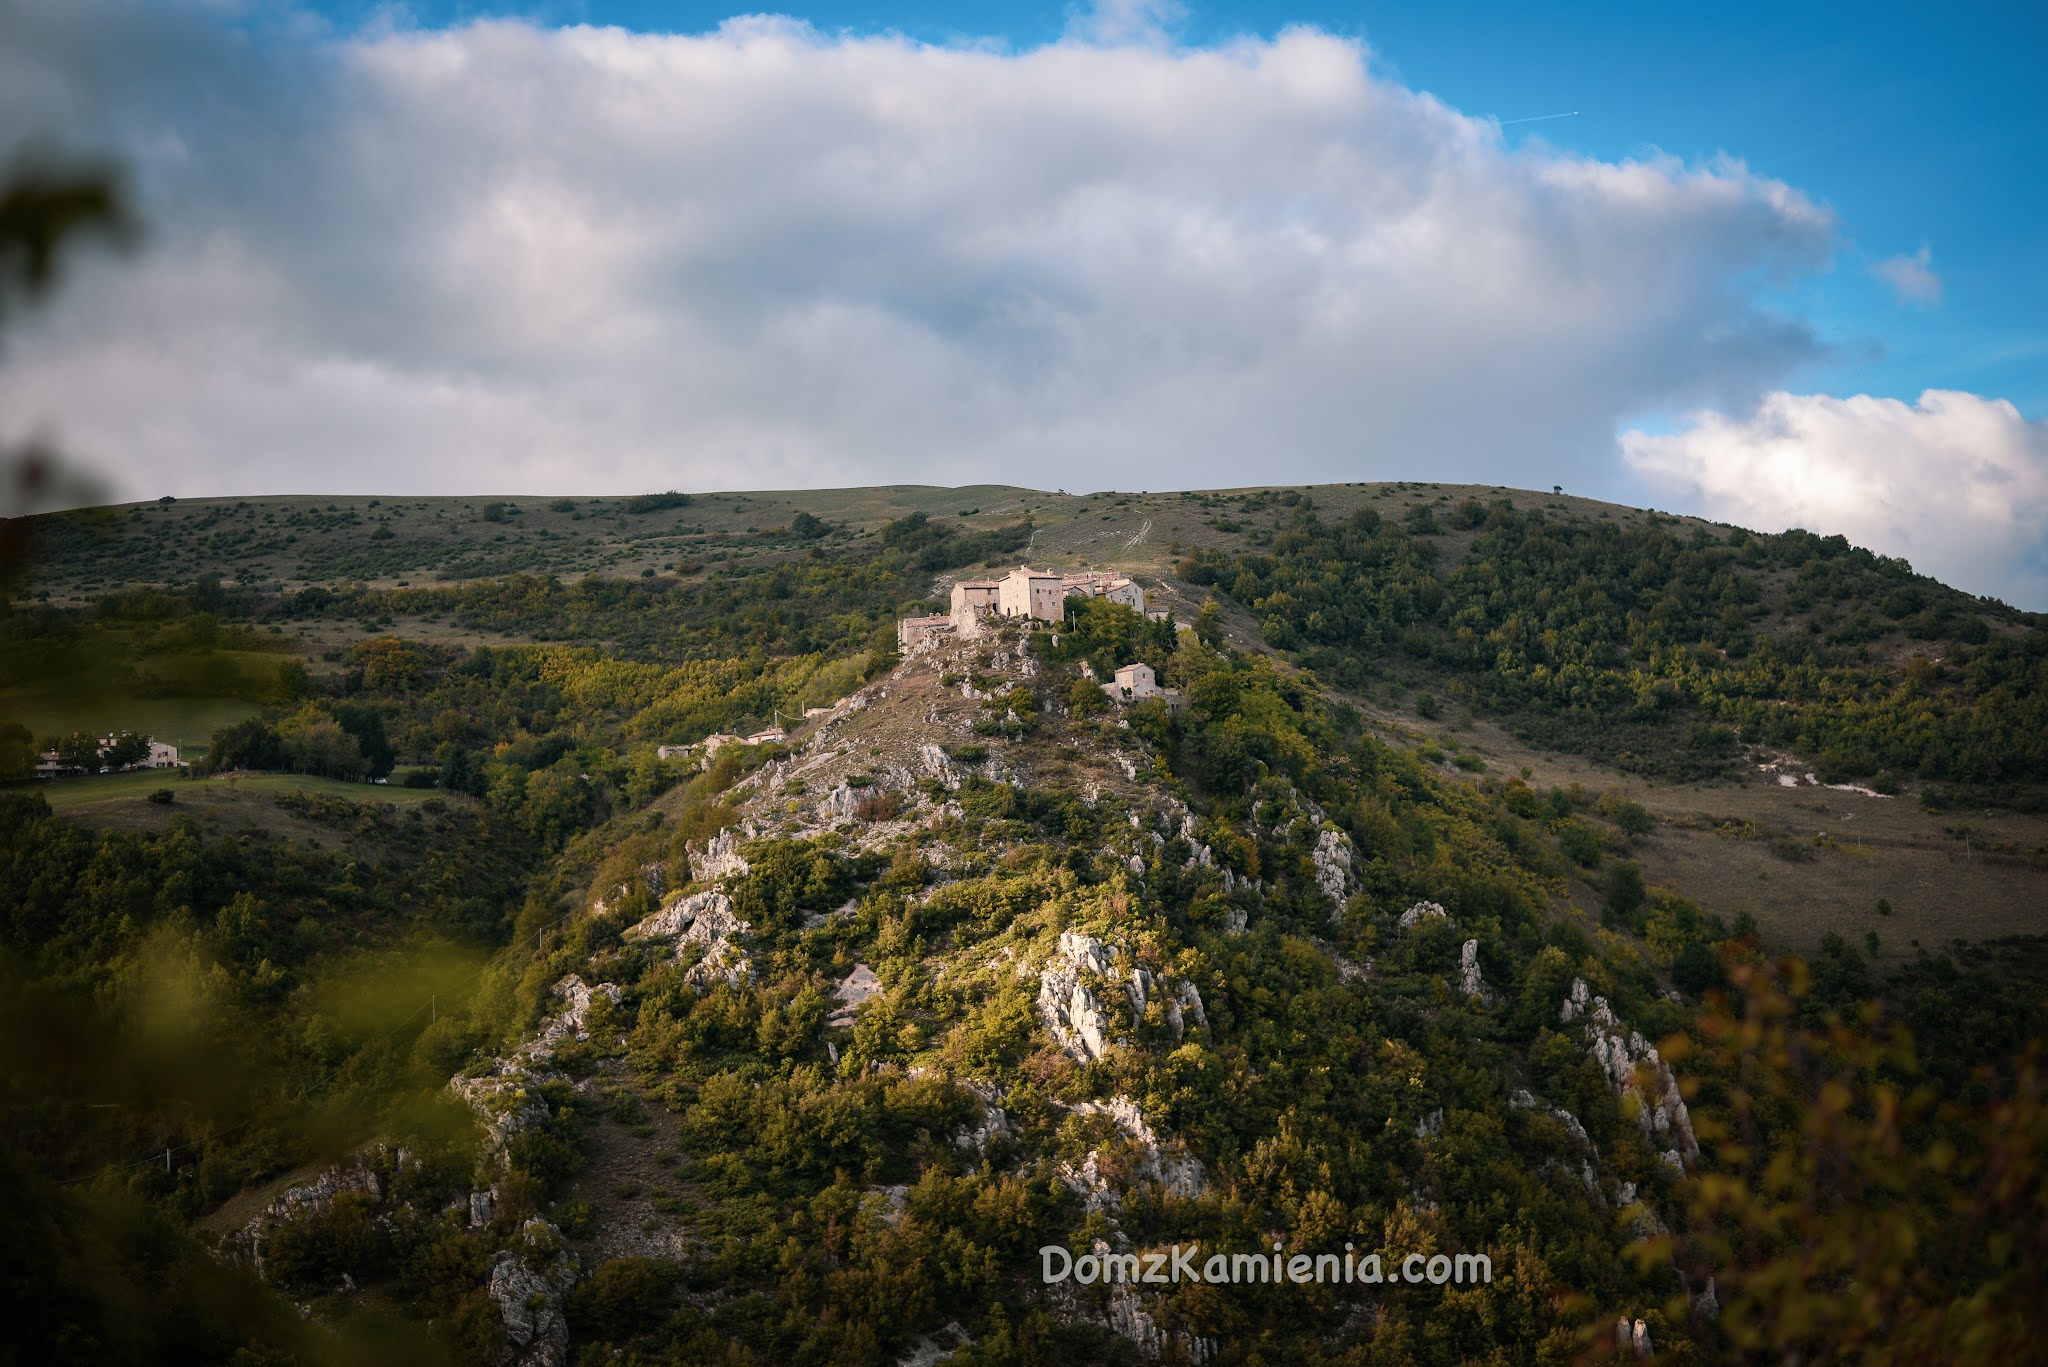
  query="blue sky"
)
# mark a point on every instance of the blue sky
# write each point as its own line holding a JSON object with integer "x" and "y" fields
{"x": 456, "y": 247}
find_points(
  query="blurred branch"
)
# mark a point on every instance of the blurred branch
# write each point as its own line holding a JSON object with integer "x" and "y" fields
{"x": 48, "y": 208}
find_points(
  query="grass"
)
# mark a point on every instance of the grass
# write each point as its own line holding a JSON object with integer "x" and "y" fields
{"x": 71, "y": 794}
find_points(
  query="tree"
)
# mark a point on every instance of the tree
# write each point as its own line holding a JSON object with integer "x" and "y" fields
{"x": 1621, "y": 887}
{"x": 129, "y": 748}
{"x": 314, "y": 743}
{"x": 76, "y": 750}
{"x": 251, "y": 744}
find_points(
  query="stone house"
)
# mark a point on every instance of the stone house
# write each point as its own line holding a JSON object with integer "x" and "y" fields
{"x": 1025, "y": 592}
{"x": 1137, "y": 682}
{"x": 1104, "y": 584}
{"x": 911, "y": 631}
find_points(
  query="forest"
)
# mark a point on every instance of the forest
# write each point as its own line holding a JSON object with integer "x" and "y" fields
{"x": 1660, "y": 650}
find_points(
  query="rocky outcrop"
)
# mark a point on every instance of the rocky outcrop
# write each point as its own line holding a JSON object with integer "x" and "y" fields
{"x": 529, "y": 1284}
{"x": 1140, "y": 1159}
{"x": 505, "y": 1102}
{"x": 995, "y": 1121}
{"x": 572, "y": 1025}
{"x": 856, "y": 988}
{"x": 1332, "y": 859}
{"x": 1128, "y": 1319}
{"x": 721, "y": 858}
{"x": 1067, "y": 1004}
{"x": 1469, "y": 979}
{"x": 1634, "y": 1068}
{"x": 1423, "y": 911}
{"x": 936, "y": 763}
{"x": 837, "y": 806}
{"x": 652, "y": 877}
{"x": 702, "y": 918}
{"x": 359, "y": 1174}
{"x": 1522, "y": 1099}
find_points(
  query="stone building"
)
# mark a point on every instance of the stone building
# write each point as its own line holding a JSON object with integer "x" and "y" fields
{"x": 911, "y": 631}
{"x": 1136, "y": 683}
{"x": 1025, "y": 592}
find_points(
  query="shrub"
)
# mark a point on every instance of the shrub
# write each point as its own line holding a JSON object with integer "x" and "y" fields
{"x": 624, "y": 1297}
{"x": 1580, "y": 843}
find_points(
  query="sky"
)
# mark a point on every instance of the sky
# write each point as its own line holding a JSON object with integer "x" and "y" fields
{"x": 1781, "y": 265}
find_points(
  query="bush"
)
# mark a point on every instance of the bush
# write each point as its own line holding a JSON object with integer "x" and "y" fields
{"x": 624, "y": 1297}
{"x": 1580, "y": 843}
{"x": 1621, "y": 887}
{"x": 655, "y": 503}
{"x": 163, "y": 797}
{"x": 314, "y": 1252}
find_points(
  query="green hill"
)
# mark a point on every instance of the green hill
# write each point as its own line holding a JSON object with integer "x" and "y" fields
{"x": 807, "y": 1049}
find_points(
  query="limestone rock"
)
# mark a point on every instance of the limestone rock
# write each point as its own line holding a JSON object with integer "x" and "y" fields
{"x": 702, "y": 918}
{"x": 1332, "y": 859}
{"x": 1469, "y": 978}
{"x": 530, "y": 1301}
{"x": 1420, "y": 912}
{"x": 936, "y": 763}
{"x": 1628, "y": 1060}
{"x": 857, "y": 987}
{"x": 571, "y": 1025}
{"x": 358, "y": 1174}
{"x": 1128, "y": 1318}
{"x": 721, "y": 858}
{"x": 1066, "y": 1002}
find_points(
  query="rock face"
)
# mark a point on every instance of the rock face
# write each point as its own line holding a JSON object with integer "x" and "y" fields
{"x": 506, "y": 1099}
{"x": 530, "y": 1301}
{"x": 936, "y": 763}
{"x": 1067, "y": 1004}
{"x": 1332, "y": 859}
{"x": 1629, "y": 1059}
{"x": 858, "y": 986}
{"x": 1522, "y": 1099}
{"x": 837, "y": 806}
{"x": 702, "y": 918}
{"x": 1469, "y": 979}
{"x": 247, "y": 1244}
{"x": 1420, "y": 912}
{"x": 995, "y": 1122}
{"x": 721, "y": 858}
{"x": 1169, "y": 1167}
{"x": 571, "y": 1026}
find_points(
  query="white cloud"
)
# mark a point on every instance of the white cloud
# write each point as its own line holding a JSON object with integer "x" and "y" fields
{"x": 501, "y": 258}
{"x": 1957, "y": 484}
{"x": 1912, "y": 276}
